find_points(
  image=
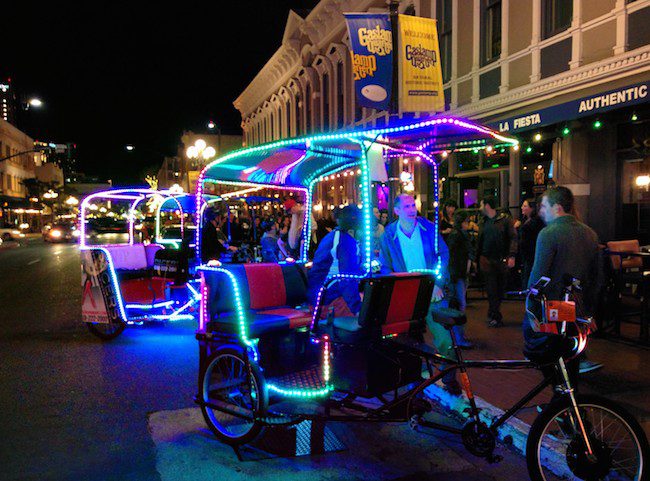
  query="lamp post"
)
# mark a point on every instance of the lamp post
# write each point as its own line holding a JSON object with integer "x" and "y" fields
{"x": 198, "y": 152}
{"x": 50, "y": 197}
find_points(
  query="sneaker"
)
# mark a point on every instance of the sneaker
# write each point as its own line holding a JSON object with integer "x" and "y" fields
{"x": 495, "y": 323}
{"x": 589, "y": 366}
{"x": 453, "y": 387}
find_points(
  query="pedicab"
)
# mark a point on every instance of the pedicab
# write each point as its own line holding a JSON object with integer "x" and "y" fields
{"x": 134, "y": 281}
{"x": 266, "y": 360}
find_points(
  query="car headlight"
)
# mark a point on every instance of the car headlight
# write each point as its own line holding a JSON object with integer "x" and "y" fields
{"x": 55, "y": 233}
{"x": 76, "y": 233}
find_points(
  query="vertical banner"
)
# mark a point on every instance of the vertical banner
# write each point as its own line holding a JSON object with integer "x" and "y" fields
{"x": 420, "y": 73}
{"x": 99, "y": 302}
{"x": 371, "y": 39}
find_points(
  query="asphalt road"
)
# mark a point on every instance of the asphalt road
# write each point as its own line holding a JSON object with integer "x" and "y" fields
{"x": 73, "y": 407}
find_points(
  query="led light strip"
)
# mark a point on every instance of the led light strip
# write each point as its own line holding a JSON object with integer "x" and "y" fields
{"x": 159, "y": 210}
{"x": 201, "y": 204}
{"x": 146, "y": 307}
{"x": 243, "y": 333}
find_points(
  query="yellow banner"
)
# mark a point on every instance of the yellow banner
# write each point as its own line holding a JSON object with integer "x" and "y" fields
{"x": 420, "y": 73}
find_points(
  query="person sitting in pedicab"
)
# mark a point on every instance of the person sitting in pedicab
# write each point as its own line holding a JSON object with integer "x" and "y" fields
{"x": 409, "y": 245}
{"x": 338, "y": 253}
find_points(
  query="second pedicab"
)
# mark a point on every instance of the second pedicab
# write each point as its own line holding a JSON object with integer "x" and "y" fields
{"x": 126, "y": 279}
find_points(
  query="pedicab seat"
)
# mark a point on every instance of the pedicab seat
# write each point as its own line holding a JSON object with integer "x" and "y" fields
{"x": 133, "y": 264}
{"x": 393, "y": 304}
{"x": 270, "y": 295}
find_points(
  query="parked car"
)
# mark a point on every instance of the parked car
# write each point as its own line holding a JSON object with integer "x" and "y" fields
{"x": 61, "y": 233}
{"x": 11, "y": 233}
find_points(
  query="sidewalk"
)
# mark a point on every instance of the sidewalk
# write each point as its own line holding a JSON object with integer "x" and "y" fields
{"x": 623, "y": 379}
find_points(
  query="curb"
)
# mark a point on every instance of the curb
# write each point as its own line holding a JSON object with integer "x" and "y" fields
{"x": 514, "y": 428}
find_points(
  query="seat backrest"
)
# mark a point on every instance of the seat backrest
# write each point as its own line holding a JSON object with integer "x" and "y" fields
{"x": 618, "y": 261}
{"x": 150, "y": 251}
{"x": 261, "y": 286}
{"x": 127, "y": 256}
{"x": 393, "y": 303}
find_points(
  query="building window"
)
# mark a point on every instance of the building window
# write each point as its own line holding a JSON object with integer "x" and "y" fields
{"x": 340, "y": 96}
{"x": 491, "y": 31}
{"x": 556, "y": 16}
{"x": 443, "y": 15}
{"x": 299, "y": 106}
{"x": 308, "y": 101}
{"x": 287, "y": 119}
{"x": 326, "y": 102}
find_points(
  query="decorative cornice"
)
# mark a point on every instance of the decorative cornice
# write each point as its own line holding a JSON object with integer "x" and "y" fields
{"x": 625, "y": 64}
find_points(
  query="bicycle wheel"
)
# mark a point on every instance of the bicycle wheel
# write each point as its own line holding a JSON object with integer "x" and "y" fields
{"x": 555, "y": 447}
{"x": 106, "y": 331}
{"x": 232, "y": 395}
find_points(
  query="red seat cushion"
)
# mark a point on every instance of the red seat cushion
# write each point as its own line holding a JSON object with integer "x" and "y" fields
{"x": 143, "y": 291}
{"x": 265, "y": 285}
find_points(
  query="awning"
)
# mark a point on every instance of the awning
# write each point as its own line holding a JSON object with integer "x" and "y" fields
{"x": 297, "y": 162}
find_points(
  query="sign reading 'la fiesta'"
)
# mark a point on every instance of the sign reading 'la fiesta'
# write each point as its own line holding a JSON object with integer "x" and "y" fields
{"x": 420, "y": 73}
{"x": 371, "y": 39}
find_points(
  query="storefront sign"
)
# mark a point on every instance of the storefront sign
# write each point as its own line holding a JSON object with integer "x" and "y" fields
{"x": 420, "y": 73}
{"x": 586, "y": 106}
{"x": 371, "y": 39}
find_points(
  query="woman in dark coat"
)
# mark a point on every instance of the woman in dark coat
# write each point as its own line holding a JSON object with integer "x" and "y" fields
{"x": 528, "y": 230}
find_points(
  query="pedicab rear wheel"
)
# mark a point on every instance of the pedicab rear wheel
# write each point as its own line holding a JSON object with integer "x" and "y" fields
{"x": 106, "y": 331}
{"x": 230, "y": 394}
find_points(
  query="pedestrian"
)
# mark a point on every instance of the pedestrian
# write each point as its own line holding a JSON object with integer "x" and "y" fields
{"x": 496, "y": 251}
{"x": 528, "y": 229}
{"x": 566, "y": 249}
{"x": 338, "y": 253}
{"x": 446, "y": 225}
{"x": 378, "y": 231}
{"x": 411, "y": 244}
{"x": 460, "y": 258}
{"x": 295, "y": 236}
{"x": 383, "y": 217}
{"x": 269, "y": 241}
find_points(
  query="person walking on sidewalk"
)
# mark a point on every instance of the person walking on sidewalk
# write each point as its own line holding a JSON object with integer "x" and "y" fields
{"x": 496, "y": 251}
{"x": 460, "y": 256}
{"x": 409, "y": 245}
{"x": 566, "y": 248}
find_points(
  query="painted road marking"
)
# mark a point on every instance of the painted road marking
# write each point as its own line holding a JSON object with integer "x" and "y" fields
{"x": 187, "y": 450}
{"x": 33, "y": 262}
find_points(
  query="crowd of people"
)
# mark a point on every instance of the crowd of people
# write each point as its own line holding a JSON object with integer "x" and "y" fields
{"x": 485, "y": 241}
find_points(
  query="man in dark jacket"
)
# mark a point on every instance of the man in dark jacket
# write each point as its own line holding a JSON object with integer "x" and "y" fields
{"x": 496, "y": 251}
{"x": 566, "y": 248}
{"x": 460, "y": 255}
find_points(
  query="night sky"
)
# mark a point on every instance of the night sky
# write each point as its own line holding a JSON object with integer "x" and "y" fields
{"x": 112, "y": 73}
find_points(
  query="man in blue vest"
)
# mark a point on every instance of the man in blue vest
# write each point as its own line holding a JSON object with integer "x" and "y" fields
{"x": 410, "y": 244}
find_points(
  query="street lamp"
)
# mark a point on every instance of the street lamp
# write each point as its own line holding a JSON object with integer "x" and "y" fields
{"x": 130, "y": 147}
{"x": 200, "y": 150}
{"x": 35, "y": 102}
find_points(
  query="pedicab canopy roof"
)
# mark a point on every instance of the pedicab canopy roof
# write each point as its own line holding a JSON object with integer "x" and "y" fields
{"x": 297, "y": 162}
{"x": 187, "y": 202}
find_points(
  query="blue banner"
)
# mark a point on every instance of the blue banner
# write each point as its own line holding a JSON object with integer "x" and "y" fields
{"x": 372, "y": 58}
{"x": 582, "y": 107}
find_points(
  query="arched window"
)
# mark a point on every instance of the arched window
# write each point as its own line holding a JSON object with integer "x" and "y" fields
{"x": 326, "y": 101}
{"x": 308, "y": 109}
{"x": 340, "y": 96}
{"x": 299, "y": 107}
